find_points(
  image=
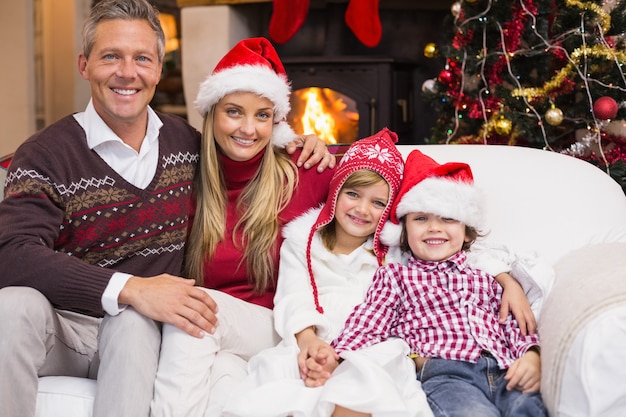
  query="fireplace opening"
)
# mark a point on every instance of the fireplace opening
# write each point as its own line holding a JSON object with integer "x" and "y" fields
{"x": 344, "y": 98}
{"x": 325, "y": 112}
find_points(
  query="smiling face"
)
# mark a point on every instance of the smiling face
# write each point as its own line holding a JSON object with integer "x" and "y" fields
{"x": 357, "y": 213}
{"x": 432, "y": 237}
{"x": 243, "y": 124}
{"x": 123, "y": 70}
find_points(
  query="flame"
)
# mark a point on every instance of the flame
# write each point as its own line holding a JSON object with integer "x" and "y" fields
{"x": 324, "y": 113}
{"x": 315, "y": 119}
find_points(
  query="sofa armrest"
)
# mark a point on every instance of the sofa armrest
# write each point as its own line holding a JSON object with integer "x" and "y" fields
{"x": 589, "y": 290}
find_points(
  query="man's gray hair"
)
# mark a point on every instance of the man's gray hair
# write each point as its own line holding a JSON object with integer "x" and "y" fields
{"x": 126, "y": 10}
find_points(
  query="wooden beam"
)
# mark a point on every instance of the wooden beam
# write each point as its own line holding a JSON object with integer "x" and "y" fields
{"x": 189, "y": 3}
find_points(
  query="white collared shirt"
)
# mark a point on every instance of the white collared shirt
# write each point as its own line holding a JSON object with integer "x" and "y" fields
{"x": 138, "y": 168}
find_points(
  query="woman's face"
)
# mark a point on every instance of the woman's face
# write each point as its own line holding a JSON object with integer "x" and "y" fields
{"x": 432, "y": 237}
{"x": 242, "y": 124}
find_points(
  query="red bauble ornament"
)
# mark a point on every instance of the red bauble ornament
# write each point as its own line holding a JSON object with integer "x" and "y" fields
{"x": 445, "y": 77}
{"x": 605, "y": 108}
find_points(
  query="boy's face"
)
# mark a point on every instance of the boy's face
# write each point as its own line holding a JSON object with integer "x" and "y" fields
{"x": 432, "y": 237}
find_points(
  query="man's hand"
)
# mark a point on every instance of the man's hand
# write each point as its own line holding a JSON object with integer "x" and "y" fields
{"x": 314, "y": 151}
{"x": 174, "y": 300}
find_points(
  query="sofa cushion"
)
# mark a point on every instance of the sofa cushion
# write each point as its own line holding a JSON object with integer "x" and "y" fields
{"x": 64, "y": 396}
{"x": 583, "y": 334}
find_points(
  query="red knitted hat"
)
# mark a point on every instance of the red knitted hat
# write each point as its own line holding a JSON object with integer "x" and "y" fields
{"x": 251, "y": 65}
{"x": 377, "y": 153}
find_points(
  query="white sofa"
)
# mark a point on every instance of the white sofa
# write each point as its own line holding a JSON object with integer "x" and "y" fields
{"x": 574, "y": 216}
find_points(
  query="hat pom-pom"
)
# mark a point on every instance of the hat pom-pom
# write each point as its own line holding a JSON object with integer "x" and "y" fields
{"x": 282, "y": 134}
{"x": 391, "y": 233}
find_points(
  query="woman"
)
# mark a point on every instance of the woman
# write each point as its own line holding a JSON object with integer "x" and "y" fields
{"x": 248, "y": 188}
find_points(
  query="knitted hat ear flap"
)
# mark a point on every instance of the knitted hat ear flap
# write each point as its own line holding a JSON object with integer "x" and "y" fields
{"x": 309, "y": 266}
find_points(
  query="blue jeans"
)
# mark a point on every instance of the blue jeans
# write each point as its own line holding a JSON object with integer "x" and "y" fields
{"x": 457, "y": 388}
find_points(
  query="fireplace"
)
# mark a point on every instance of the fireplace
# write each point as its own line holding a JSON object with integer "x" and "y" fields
{"x": 378, "y": 87}
{"x": 355, "y": 96}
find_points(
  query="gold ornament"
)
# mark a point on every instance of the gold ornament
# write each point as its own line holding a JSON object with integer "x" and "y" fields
{"x": 554, "y": 116}
{"x": 470, "y": 1}
{"x": 503, "y": 126}
{"x": 431, "y": 50}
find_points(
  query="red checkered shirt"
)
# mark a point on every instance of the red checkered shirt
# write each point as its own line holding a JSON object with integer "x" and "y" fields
{"x": 441, "y": 309}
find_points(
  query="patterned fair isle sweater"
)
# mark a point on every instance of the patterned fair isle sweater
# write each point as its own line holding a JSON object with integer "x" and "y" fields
{"x": 69, "y": 221}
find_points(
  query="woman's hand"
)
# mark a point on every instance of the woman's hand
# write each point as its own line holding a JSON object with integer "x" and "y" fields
{"x": 314, "y": 151}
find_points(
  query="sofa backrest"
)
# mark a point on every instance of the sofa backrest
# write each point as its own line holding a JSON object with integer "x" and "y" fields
{"x": 536, "y": 201}
{"x": 540, "y": 201}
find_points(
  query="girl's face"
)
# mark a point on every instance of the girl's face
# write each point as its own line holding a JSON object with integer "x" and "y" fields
{"x": 243, "y": 123}
{"x": 357, "y": 213}
{"x": 432, "y": 237}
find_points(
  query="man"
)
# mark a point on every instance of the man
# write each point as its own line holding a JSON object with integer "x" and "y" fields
{"x": 94, "y": 221}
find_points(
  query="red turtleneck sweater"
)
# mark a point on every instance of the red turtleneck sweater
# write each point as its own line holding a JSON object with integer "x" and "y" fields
{"x": 226, "y": 272}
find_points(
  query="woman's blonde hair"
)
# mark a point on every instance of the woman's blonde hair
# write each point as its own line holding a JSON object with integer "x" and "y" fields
{"x": 259, "y": 205}
{"x": 360, "y": 178}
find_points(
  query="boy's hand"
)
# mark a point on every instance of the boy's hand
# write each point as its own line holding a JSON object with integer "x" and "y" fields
{"x": 320, "y": 367}
{"x": 525, "y": 373}
{"x": 315, "y": 359}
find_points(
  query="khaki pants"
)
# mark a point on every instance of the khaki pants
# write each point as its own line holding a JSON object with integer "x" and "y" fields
{"x": 38, "y": 340}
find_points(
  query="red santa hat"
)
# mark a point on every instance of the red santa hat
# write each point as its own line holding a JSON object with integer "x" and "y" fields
{"x": 377, "y": 153}
{"x": 446, "y": 190}
{"x": 251, "y": 65}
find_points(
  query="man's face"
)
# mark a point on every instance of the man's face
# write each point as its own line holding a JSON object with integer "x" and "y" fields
{"x": 123, "y": 70}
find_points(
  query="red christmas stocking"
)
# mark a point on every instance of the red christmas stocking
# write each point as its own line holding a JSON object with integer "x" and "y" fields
{"x": 362, "y": 18}
{"x": 287, "y": 17}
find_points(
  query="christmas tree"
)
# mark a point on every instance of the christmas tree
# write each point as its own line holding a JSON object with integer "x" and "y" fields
{"x": 539, "y": 73}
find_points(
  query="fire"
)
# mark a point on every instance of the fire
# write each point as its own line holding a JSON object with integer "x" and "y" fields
{"x": 315, "y": 119}
{"x": 324, "y": 112}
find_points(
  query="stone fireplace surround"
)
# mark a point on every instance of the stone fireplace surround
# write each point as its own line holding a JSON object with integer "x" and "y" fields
{"x": 210, "y": 30}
